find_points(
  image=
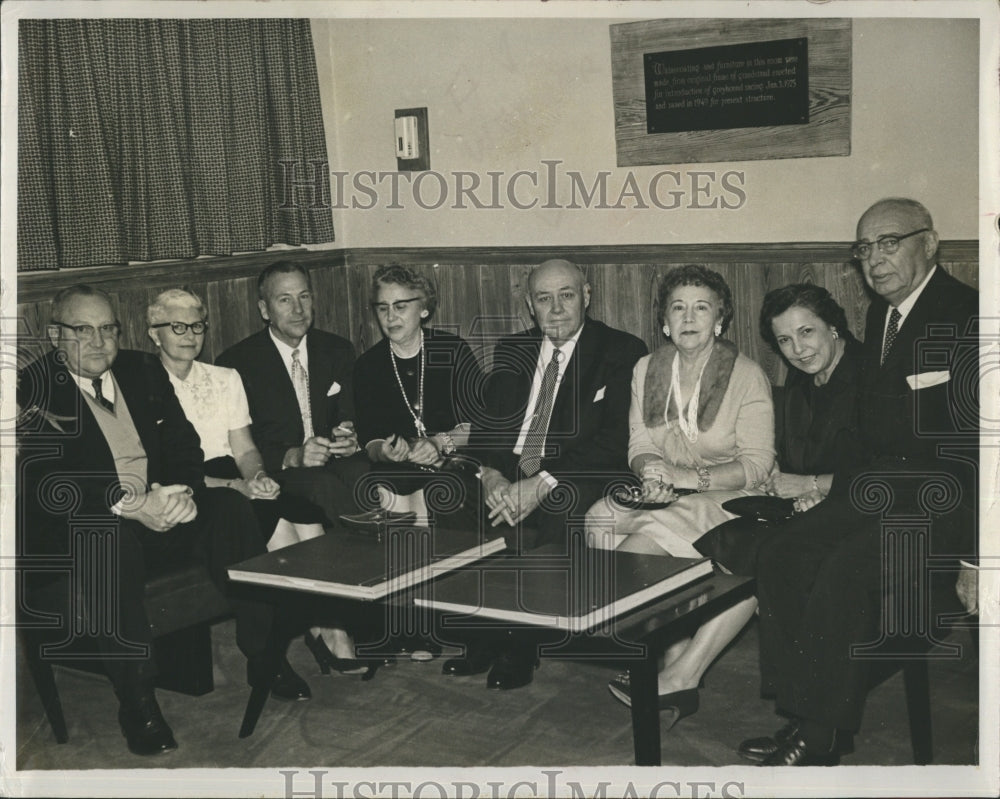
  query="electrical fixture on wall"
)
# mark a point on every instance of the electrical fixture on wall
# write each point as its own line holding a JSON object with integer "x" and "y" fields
{"x": 413, "y": 148}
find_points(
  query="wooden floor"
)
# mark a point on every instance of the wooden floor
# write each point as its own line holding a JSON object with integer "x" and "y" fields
{"x": 410, "y": 715}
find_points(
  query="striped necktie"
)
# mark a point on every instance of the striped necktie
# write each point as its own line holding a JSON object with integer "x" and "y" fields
{"x": 107, "y": 404}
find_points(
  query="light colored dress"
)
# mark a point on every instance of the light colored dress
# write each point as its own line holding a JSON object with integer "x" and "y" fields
{"x": 742, "y": 431}
{"x": 215, "y": 402}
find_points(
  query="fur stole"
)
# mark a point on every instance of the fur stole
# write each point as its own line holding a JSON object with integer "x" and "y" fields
{"x": 714, "y": 382}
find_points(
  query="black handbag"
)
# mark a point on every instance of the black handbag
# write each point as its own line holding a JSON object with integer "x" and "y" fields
{"x": 734, "y": 544}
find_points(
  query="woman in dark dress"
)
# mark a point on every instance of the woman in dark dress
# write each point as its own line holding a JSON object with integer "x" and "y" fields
{"x": 815, "y": 413}
{"x": 414, "y": 390}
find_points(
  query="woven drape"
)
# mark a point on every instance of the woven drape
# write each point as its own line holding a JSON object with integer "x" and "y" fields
{"x": 148, "y": 139}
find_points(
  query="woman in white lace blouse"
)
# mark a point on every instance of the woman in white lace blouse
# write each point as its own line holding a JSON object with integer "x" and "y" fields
{"x": 215, "y": 402}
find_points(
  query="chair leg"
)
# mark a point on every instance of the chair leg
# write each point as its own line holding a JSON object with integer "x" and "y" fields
{"x": 48, "y": 692}
{"x": 918, "y": 707}
{"x": 255, "y": 706}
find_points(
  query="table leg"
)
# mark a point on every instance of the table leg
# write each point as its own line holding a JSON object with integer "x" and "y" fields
{"x": 645, "y": 710}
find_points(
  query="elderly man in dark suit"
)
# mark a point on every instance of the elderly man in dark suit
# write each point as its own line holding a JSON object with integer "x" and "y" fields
{"x": 299, "y": 386}
{"x": 555, "y": 427}
{"x": 822, "y": 583}
{"x": 105, "y": 447}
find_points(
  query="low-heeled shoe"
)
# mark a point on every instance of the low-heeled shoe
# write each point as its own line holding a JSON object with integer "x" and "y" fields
{"x": 146, "y": 731}
{"x": 758, "y": 749}
{"x": 289, "y": 686}
{"x": 676, "y": 704}
{"x": 794, "y": 752}
{"x": 477, "y": 660}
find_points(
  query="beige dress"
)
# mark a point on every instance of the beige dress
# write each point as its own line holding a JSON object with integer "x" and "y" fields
{"x": 742, "y": 431}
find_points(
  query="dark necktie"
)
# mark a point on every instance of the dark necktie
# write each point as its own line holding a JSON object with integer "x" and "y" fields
{"x": 891, "y": 331}
{"x": 534, "y": 441}
{"x": 99, "y": 395}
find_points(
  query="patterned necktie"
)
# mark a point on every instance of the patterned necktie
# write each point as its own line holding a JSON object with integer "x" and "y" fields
{"x": 99, "y": 395}
{"x": 301, "y": 382}
{"x": 534, "y": 441}
{"x": 891, "y": 331}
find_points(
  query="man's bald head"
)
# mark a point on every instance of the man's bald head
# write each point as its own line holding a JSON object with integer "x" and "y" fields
{"x": 558, "y": 296}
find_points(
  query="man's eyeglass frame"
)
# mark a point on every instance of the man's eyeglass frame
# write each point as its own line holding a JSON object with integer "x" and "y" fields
{"x": 110, "y": 330}
{"x": 888, "y": 244}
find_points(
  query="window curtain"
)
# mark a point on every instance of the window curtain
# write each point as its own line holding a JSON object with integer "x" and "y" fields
{"x": 141, "y": 140}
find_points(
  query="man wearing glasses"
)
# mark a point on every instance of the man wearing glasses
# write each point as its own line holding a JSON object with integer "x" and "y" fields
{"x": 109, "y": 463}
{"x": 828, "y": 581}
{"x": 299, "y": 384}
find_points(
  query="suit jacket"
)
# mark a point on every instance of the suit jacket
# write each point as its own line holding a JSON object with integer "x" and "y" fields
{"x": 66, "y": 468}
{"x": 933, "y": 344}
{"x": 588, "y": 429}
{"x": 277, "y": 421}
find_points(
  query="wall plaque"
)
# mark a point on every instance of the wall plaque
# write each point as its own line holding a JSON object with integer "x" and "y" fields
{"x": 700, "y": 90}
{"x": 733, "y": 86}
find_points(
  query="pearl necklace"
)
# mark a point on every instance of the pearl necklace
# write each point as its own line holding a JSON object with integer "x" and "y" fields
{"x": 416, "y": 411}
{"x": 688, "y": 426}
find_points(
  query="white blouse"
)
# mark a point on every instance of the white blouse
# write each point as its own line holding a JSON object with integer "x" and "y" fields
{"x": 215, "y": 402}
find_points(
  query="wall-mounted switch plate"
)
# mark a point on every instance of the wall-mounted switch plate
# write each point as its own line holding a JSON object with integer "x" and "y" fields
{"x": 413, "y": 147}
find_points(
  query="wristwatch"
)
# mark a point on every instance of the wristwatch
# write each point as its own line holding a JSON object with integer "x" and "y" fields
{"x": 704, "y": 478}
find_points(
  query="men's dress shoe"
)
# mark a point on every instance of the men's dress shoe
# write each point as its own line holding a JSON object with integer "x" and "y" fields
{"x": 144, "y": 728}
{"x": 511, "y": 671}
{"x": 794, "y": 752}
{"x": 758, "y": 749}
{"x": 477, "y": 660}
{"x": 676, "y": 704}
{"x": 289, "y": 686}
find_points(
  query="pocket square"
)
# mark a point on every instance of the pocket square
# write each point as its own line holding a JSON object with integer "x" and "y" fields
{"x": 159, "y": 421}
{"x": 600, "y": 394}
{"x": 927, "y": 379}
{"x": 334, "y": 389}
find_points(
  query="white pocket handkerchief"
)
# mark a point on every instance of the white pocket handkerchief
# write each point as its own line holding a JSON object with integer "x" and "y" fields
{"x": 927, "y": 379}
{"x": 334, "y": 389}
{"x": 600, "y": 394}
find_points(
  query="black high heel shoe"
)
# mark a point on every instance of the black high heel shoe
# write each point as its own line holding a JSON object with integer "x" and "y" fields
{"x": 326, "y": 660}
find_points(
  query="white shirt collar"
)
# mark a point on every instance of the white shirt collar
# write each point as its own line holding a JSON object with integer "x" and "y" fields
{"x": 86, "y": 385}
{"x": 907, "y": 305}
{"x": 286, "y": 352}
{"x": 566, "y": 348}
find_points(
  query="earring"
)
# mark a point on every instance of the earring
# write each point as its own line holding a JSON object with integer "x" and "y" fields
{"x": 423, "y": 314}
{"x": 666, "y": 330}
{"x": 718, "y": 329}
{"x": 836, "y": 334}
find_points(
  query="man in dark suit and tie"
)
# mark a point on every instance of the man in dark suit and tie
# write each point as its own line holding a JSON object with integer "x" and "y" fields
{"x": 555, "y": 427}
{"x": 825, "y": 584}
{"x": 108, "y": 463}
{"x": 298, "y": 382}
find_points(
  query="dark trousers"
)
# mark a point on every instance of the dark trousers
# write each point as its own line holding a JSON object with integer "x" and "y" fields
{"x": 334, "y": 488}
{"x": 224, "y": 532}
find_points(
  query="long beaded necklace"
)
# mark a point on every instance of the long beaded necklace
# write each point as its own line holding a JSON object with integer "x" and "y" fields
{"x": 688, "y": 426}
{"x": 417, "y": 410}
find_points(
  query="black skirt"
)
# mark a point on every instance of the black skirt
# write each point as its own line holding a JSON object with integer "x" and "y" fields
{"x": 269, "y": 511}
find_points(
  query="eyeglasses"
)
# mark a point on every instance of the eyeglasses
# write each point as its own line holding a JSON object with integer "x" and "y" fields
{"x": 399, "y": 306}
{"x": 110, "y": 330}
{"x": 887, "y": 244}
{"x": 180, "y": 328}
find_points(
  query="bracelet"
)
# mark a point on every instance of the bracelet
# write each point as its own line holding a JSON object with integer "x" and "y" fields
{"x": 704, "y": 478}
{"x": 447, "y": 444}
